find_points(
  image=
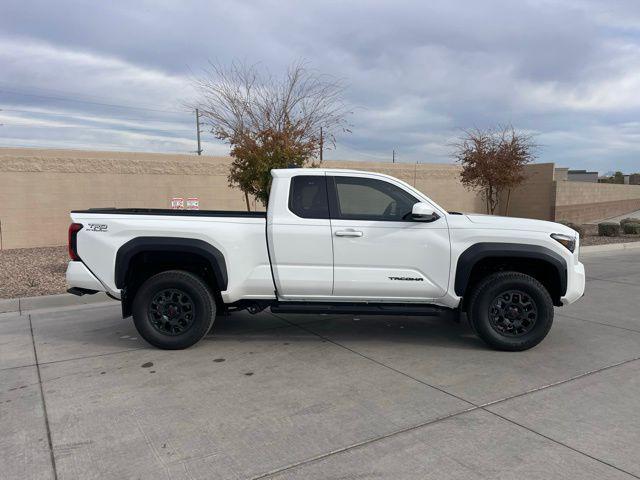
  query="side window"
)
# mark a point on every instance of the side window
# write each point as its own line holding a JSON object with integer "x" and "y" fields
{"x": 308, "y": 196}
{"x": 359, "y": 198}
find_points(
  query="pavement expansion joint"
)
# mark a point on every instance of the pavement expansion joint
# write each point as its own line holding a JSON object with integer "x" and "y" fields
{"x": 44, "y": 403}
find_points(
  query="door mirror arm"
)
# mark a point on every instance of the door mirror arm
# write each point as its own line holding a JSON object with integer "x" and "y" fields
{"x": 425, "y": 218}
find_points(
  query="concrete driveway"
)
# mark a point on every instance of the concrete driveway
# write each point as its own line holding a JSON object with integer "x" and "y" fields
{"x": 316, "y": 397}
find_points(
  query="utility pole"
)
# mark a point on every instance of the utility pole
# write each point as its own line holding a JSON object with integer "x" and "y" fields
{"x": 393, "y": 158}
{"x": 321, "y": 144}
{"x": 199, "y": 151}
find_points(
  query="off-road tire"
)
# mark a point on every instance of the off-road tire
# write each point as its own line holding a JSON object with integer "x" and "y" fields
{"x": 488, "y": 290}
{"x": 192, "y": 300}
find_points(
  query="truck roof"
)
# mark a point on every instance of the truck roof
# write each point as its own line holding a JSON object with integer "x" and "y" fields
{"x": 292, "y": 172}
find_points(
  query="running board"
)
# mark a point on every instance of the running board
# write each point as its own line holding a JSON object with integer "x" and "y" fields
{"x": 359, "y": 308}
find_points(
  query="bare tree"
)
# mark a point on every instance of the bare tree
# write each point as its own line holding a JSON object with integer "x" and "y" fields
{"x": 493, "y": 162}
{"x": 270, "y": 122}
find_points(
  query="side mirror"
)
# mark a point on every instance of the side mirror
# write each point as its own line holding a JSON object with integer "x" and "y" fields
{"x": 423, "y": 212}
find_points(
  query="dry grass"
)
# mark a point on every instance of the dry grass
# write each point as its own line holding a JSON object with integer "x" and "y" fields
{"x": 29, "y": 272}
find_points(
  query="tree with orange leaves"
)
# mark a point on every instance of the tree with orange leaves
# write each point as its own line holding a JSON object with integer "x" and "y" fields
{"x": 493, "y": 162}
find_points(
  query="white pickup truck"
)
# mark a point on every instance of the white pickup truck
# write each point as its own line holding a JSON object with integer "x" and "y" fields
{"x": 337, "y": 241}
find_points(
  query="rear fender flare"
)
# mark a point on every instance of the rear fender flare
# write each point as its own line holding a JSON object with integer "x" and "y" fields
{"x": 133, "y": 247}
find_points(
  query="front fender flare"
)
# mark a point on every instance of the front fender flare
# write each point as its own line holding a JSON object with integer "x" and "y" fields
{"x": 472, "y": 255}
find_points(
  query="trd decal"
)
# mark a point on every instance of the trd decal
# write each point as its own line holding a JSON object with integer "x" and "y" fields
{"x": 97, "y": 227}
{"x": 408, "y": 279}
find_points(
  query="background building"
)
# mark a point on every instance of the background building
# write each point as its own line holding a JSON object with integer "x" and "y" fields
{"x": 582, "y": 176}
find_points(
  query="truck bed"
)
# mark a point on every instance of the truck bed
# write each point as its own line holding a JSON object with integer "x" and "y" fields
{"x": 171, "y": 212}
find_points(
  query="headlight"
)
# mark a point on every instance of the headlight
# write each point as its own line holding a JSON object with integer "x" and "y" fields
{"x": 567, "y": 240}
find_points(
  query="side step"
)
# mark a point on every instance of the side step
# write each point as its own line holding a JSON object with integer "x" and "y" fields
{"x": 359, "y": 308}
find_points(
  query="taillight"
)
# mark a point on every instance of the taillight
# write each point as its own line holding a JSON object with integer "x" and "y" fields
{"x": 74, "y": 228}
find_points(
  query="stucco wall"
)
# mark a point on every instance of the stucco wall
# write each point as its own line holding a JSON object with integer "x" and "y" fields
{"x": 583, "y": 202}
{"x": 38, "y": 188}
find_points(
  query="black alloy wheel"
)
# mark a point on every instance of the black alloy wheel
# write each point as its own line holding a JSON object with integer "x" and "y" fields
{"x": 510, "y": 311}
{"x": 174, "y": 309}
{"x": 513, "y": 313}
{"x": 171, "y": 311}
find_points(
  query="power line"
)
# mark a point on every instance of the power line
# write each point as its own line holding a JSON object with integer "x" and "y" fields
{"x": 93, "y": 127}
{"x": 64, "y": 93}
{"x": 107, "y": 146}
{"x": 88, "y": 102}
{"x": 52, "y": 92}
{"x": 72, "y": 115}
{"x": 379, "y": 157}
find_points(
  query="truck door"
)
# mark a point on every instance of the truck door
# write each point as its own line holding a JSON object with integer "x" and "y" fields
{"x": 379, "y": 252}
{"x": 299, "y": 235}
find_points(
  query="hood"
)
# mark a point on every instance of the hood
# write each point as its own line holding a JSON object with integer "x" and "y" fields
{"x": 512, "y": 223}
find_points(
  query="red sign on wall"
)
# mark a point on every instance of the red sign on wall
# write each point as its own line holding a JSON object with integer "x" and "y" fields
{"x": 177, "y": 203}
{"x": 193, "y": 203}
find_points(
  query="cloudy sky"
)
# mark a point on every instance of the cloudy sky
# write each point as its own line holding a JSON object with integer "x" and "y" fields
{"x": 115, "y": 75}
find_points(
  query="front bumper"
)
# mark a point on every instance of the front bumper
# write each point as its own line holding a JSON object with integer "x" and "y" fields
{"x": 575, "y": 284}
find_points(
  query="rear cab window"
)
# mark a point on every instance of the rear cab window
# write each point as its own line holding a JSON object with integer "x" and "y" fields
{"x": 308, "y": 196}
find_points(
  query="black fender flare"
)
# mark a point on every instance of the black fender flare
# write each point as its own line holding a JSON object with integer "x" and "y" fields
{"x": 472, "y": 255}
{"x": 130, "y": 249}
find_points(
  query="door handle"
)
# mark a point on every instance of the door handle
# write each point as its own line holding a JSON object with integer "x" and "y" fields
{"x": 348, "y": 233}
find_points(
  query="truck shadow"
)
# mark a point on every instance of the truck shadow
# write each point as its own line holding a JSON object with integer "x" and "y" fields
{"x": 102, "y": 330}
{"x": 347, "y": 329}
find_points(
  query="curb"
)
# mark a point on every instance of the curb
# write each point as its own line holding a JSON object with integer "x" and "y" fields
{"x": 610, "y": 247}
{"x": 51, "y": 301}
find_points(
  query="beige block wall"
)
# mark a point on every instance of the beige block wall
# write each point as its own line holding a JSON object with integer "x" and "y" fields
{"x": 561, "y": 174}
{"x": 39, "y": 187}
{"x": 582, "y": 202}
{"x": 535, "y": 197}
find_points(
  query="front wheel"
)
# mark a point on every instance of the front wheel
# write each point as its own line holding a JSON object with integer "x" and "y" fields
{"x": 511, "y": 311}
{"x": 173, "y": 310}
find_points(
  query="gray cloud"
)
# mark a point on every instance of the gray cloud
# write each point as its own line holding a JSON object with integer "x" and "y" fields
{"x": 417, "y": 72}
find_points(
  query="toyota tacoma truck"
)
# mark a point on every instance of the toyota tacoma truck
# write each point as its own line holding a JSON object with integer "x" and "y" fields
{"x": 338, "y": 241}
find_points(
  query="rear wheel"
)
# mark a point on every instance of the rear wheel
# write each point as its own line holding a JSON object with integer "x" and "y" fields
{"x": 173, "y": 310}
{"x": 511, "y": 311}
